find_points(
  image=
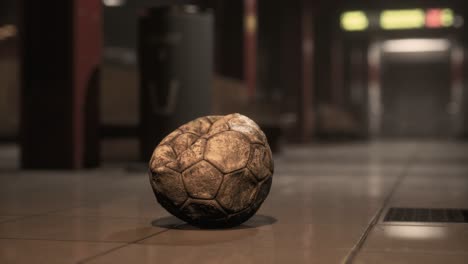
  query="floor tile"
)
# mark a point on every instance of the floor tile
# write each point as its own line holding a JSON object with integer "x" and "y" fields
{"x": 451, "y": 238}
{"x": 259, "y": 233}
{"x": 8, "y": 218}
{"x": 79, "y": 228}
{"x": 143, "y": 207}
{"x": 432, "y": 191}
{"x": 224, "y": 255}
{"x": 410, "y": 258}
{"x": 14, "y": 251}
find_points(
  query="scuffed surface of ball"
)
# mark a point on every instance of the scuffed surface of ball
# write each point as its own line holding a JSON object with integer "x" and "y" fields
{"x": 214, "y": 171}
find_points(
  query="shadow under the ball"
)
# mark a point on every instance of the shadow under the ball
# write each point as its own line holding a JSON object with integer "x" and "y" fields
{"x": 172, "y": 222}
{"x": 185, "y": 234}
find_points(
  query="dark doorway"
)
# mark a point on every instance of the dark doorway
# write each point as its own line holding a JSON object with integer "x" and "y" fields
{"x": 416, "y": 92}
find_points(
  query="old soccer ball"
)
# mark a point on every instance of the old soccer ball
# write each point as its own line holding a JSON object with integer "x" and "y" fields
{"x": 213, "y": 172}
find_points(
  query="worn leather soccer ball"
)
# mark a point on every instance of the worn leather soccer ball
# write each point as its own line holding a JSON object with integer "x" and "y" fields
{"x": 214, "y": 171}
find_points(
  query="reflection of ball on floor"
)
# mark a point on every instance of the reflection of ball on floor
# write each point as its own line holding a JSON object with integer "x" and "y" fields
{"x": 214, "y": 171}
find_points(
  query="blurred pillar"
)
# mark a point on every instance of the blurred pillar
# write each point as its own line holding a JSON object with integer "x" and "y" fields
{"x": 338, "y": 93}
{"x": 298, "y": 52}
{"x": 286, "y": 62}
{"x": 60, "y": 58}
{"x": 306, "y": 113}
{"x": 464, "y": 69}
{"x": 250, "y": 46}
{"x": 229, "y": 39}
{"x": 323, "y": 59}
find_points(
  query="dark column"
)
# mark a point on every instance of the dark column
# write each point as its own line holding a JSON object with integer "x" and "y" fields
{"x": 60, "y": 57}
{"x": 464, "y": 69}
{"x": 229, "y": 39}
{"x": 323, "y": 47}
{"x": 286, "y": 61}
{"x": 250, "y": 46}
{"x": 306, "y": 99}
{"x": 297, "y": 69}
{"x": 325, "y": 94}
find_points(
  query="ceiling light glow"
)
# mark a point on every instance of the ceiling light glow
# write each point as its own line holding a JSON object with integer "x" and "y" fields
{"x": 416, "y": 45}
{"x": 113, "y": 3}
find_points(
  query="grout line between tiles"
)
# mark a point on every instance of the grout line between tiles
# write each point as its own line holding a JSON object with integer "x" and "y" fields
{"x": 375, "y": 219}
{"x": 61, "y": 240}
{"x": 86, "y": 260}
{"x": 36, "y": 215}
{"x": 11, "y": 218}
{"x": 426, "y": 252}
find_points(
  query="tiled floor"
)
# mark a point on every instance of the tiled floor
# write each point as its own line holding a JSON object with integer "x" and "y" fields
{"x": 326, "y": 206}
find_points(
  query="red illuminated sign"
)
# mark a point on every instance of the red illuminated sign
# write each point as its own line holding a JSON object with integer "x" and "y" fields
{"x": 434, "y": 18}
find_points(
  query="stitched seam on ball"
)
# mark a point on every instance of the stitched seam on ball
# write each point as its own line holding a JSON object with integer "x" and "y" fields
{"x": 245, "y": 137}
{"x": 203, "y": 155}
{"x": 183, "y": 183}
{"x": 257, "y": 188}
{"x": 260, "y": 144}
{"x": 224, "y": 175}
{"x": 220, "y": 207}
{"x": 266, "y": 148}
{"x": 219, "y": 187}
{"x": 170, "y": 141}
{"x": 172, "y": 148}
{"x": 242, "y": 134}
{"x": 186, "y": 203}
{"x": 214, "y": 197}
{"x": 217, "y": 133}
{"x": 192, "y": 133}
{"x": 209, "y": 121}
{"x": 216, "y": 167}
{"x": 250, "y": 159}
{"x": 188, "y": 148}
{"x": 253, "y": 174}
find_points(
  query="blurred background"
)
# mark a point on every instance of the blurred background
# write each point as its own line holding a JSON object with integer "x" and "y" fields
{"x": 83, "y": 83}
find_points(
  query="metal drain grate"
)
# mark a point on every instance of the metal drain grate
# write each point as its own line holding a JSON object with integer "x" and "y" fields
{"x": 427, "y": 215}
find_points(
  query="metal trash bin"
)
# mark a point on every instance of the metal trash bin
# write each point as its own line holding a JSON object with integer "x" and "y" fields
{"x": 176, "y": 70}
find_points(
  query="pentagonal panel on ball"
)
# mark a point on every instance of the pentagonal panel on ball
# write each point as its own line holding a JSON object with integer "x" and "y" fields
{"x": 261, "y": 163}
{"x": 228, "y": 151}
{"x": 169, "y": 183}
{"x": 237, "y": 191}
{"x": 202, "y": 180}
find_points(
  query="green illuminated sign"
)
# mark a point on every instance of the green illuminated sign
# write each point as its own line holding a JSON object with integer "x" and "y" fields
{"x": 354, "y": 21}
{"x": 447, "y": 17}
{"x": 417, "y": 18}
{"x": 402, "y": 19}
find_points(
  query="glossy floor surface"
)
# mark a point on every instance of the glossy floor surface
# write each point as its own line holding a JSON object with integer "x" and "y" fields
{"x": 326, "y": 205}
